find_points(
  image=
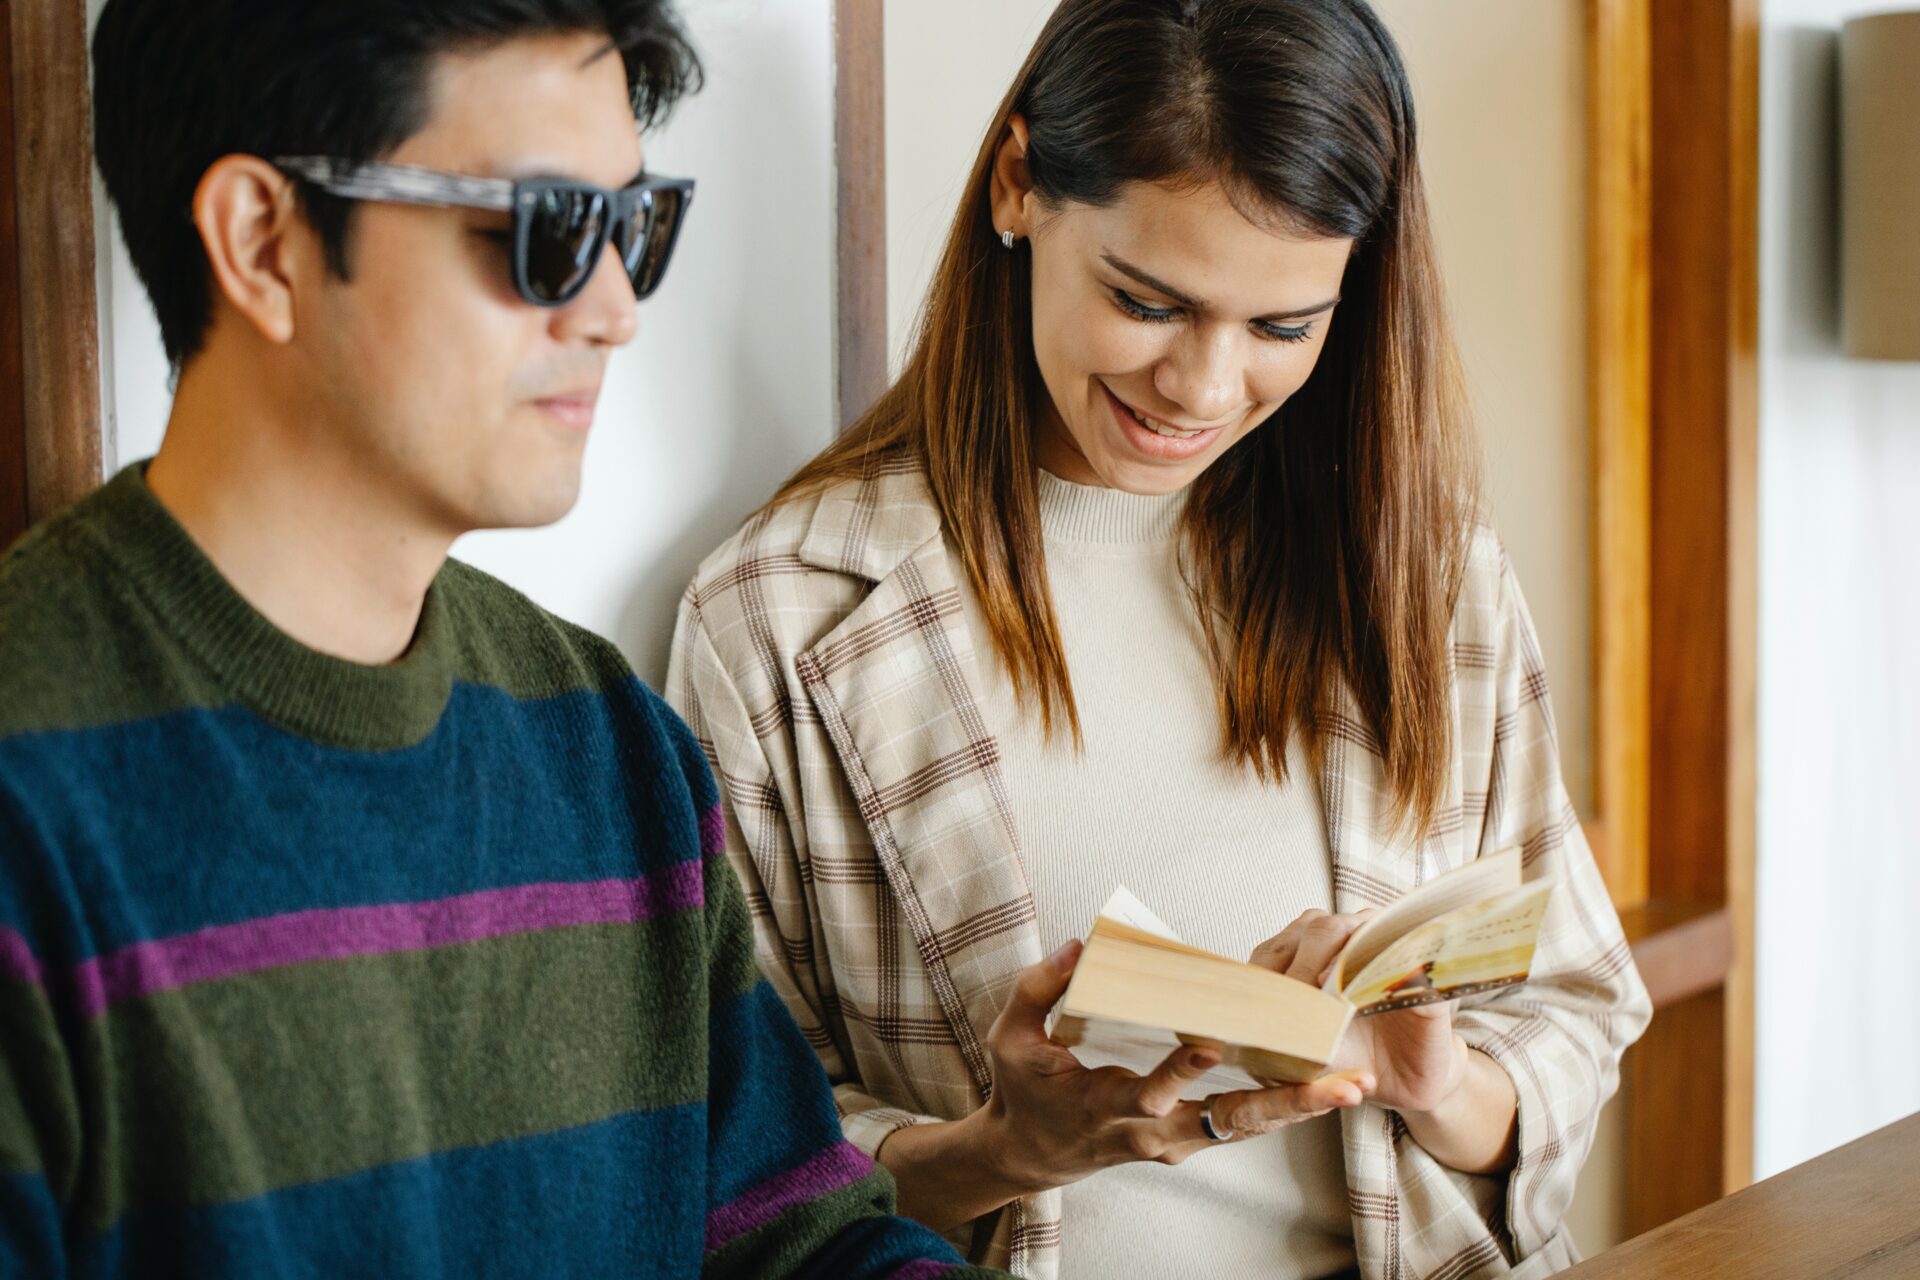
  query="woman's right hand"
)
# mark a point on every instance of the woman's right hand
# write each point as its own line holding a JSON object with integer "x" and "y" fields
{"x": 1051, "y": 1121}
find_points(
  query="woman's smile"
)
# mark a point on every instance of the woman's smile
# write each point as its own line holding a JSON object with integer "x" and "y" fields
{"x": 1154, "y": 437}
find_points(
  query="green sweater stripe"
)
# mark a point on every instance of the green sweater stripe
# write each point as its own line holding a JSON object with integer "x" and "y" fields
{"x": 211, "y": 649}
{"x": 781, "y": 1246}
{"x": 288, "y": 1076}
{"x": 34, "y": 1067}
{"x": 731, "y": 966}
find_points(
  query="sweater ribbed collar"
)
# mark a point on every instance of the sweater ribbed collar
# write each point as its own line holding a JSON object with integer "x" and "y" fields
{"x": 1094, "y": 514}
{"x": 327, "y": 699}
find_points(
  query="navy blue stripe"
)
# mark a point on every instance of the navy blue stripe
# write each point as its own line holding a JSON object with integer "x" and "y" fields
{"x": 771, "y": 1107}
{"x": 606, "y": 1199}
{"x": 29, "y": 1227}
{"x": 207, "y": 817}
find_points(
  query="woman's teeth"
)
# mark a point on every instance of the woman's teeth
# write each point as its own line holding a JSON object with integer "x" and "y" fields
{"x": 1161, "y": 428}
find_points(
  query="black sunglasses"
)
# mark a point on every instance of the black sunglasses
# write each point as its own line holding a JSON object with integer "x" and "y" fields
{"x": 560, "y": 227}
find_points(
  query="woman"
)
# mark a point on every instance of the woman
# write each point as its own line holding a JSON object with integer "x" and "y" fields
{"x": 1160, "y": 564}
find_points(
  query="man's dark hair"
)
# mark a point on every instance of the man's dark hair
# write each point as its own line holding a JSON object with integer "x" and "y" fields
{"x": 180, "y": 83}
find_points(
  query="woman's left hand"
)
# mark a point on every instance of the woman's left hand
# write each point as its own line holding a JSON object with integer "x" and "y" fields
{"x": 1414, "y": 1054}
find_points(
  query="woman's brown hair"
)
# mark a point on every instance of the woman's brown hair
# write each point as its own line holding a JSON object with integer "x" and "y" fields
{"x": 1328, "y": 546}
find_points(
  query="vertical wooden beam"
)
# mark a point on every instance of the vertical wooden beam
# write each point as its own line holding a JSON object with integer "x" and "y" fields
{"x": 860, "y": 158}
{"x": 1691, "y": 1079}
{"x": 13, "y": 405}
{"x": 1619, "y": 348}
{"x": 53, "y": 203}
{"x": 1742, "y": 623}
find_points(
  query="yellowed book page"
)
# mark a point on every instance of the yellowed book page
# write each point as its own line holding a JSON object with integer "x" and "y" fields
{"x": 1475, "y": 948}
{"x": 1103, "y": 1042}
{"x": 1476, "y": 881}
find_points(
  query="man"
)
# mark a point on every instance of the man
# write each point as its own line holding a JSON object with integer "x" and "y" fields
{"x": 356, "y": 916}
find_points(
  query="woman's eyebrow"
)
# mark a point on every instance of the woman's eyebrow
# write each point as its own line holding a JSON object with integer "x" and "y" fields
{"x": 1126, "y": 268}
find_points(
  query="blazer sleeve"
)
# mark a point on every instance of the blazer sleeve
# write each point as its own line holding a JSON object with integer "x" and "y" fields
{"x": 1561, "y": 1034}
{"x": 765, "y": 849}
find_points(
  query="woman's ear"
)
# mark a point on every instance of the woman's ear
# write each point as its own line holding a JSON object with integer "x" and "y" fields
{"x": 1010, "y": 191}
{"x": 245, "y": 210}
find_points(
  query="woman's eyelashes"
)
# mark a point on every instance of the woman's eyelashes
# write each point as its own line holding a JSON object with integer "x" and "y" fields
{"x": 1282, "y": 332}
{"x": 1141, "y": 311}
{"x": 1146, "y": 314}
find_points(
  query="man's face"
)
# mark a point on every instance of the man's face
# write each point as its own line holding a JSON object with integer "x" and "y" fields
{"x": 470, "y": 406}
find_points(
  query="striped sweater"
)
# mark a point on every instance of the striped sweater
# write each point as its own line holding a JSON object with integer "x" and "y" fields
{"x": 311, "y": 969}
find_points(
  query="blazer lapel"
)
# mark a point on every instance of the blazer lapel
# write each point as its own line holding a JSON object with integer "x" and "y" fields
{"x": 894, "y": 685}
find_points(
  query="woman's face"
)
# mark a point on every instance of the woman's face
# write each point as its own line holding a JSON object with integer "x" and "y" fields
{"x": 1166, "y": 327}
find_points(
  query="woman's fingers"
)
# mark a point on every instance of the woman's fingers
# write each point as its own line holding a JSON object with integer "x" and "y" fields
{"x": 1255, "y": 1111}
{"x": 1159, "y": 1091}
{"x": 1022, "y": 1023}
{"x": 1320, "y": 942}
{"x": 1277, "y": 952}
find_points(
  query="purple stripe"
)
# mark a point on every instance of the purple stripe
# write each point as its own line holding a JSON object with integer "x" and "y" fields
{"x": 17, "y": 960}
{"x": 922, "y": 1269}
{"x": 840, "y": 1165}
{"x": 302, "y": 936}
{"x": 713, "y": 832}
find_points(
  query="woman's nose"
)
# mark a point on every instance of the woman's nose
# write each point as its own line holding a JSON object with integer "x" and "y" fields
{"x": 1203, "y": 375}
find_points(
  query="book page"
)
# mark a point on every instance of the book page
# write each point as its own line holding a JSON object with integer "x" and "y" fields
{"x": 1464, "y": 885}
{"x": 1104, "y": 1042}
{"x": 1474, "y": 948}
{"x": 1129, "y": 910}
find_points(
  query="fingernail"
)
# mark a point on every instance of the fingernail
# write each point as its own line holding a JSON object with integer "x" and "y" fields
{"x": 1368, "y": 1084}
{"x": 1200, "y": 1060}
{"x": 1062, "y": 960}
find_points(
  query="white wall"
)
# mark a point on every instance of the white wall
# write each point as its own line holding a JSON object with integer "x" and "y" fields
{"x": 947, "y": 68}
{"x": 730, "y": 383}
{"x": 1838, "y": 1050}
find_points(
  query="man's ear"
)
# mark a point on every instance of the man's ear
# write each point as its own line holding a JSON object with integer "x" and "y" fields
{"x": 1010, "y": 193}
{"x": 247, "y": 213}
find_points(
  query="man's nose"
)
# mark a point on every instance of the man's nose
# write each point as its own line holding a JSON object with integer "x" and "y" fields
{"x": 606, "y": 312}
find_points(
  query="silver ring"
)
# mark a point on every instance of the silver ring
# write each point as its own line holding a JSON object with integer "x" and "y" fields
{"x": 1213, "y": 1131}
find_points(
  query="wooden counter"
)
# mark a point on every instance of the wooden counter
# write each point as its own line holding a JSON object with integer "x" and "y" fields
{"x": 1854, "y": 1212}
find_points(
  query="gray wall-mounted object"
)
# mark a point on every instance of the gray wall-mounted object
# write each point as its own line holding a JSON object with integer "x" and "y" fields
{"x": 1880, "y": 186}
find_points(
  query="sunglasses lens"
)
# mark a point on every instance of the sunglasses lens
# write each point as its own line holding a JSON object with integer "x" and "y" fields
{"x": 566, "y": 231}
{"x": 646, "y": 255}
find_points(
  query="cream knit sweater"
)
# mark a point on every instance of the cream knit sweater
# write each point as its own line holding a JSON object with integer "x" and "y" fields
{"x": 1227, "y": 861}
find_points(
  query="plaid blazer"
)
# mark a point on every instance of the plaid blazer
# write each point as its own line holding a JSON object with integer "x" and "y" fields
{"x": 822, "y": 658}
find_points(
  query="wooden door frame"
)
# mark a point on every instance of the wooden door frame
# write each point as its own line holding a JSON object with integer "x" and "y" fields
{"x": 50, "y": 436}
{"x": 1674, "y": 261}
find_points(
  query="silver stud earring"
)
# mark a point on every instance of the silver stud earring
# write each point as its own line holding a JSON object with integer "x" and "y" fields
{"x": 1006, "y": 238}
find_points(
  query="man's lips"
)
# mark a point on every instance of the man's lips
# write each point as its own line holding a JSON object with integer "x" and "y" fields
{"x": 571, "y": 408}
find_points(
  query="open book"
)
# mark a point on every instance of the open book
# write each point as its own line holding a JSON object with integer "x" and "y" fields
{"x": 1139, "y": 992}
